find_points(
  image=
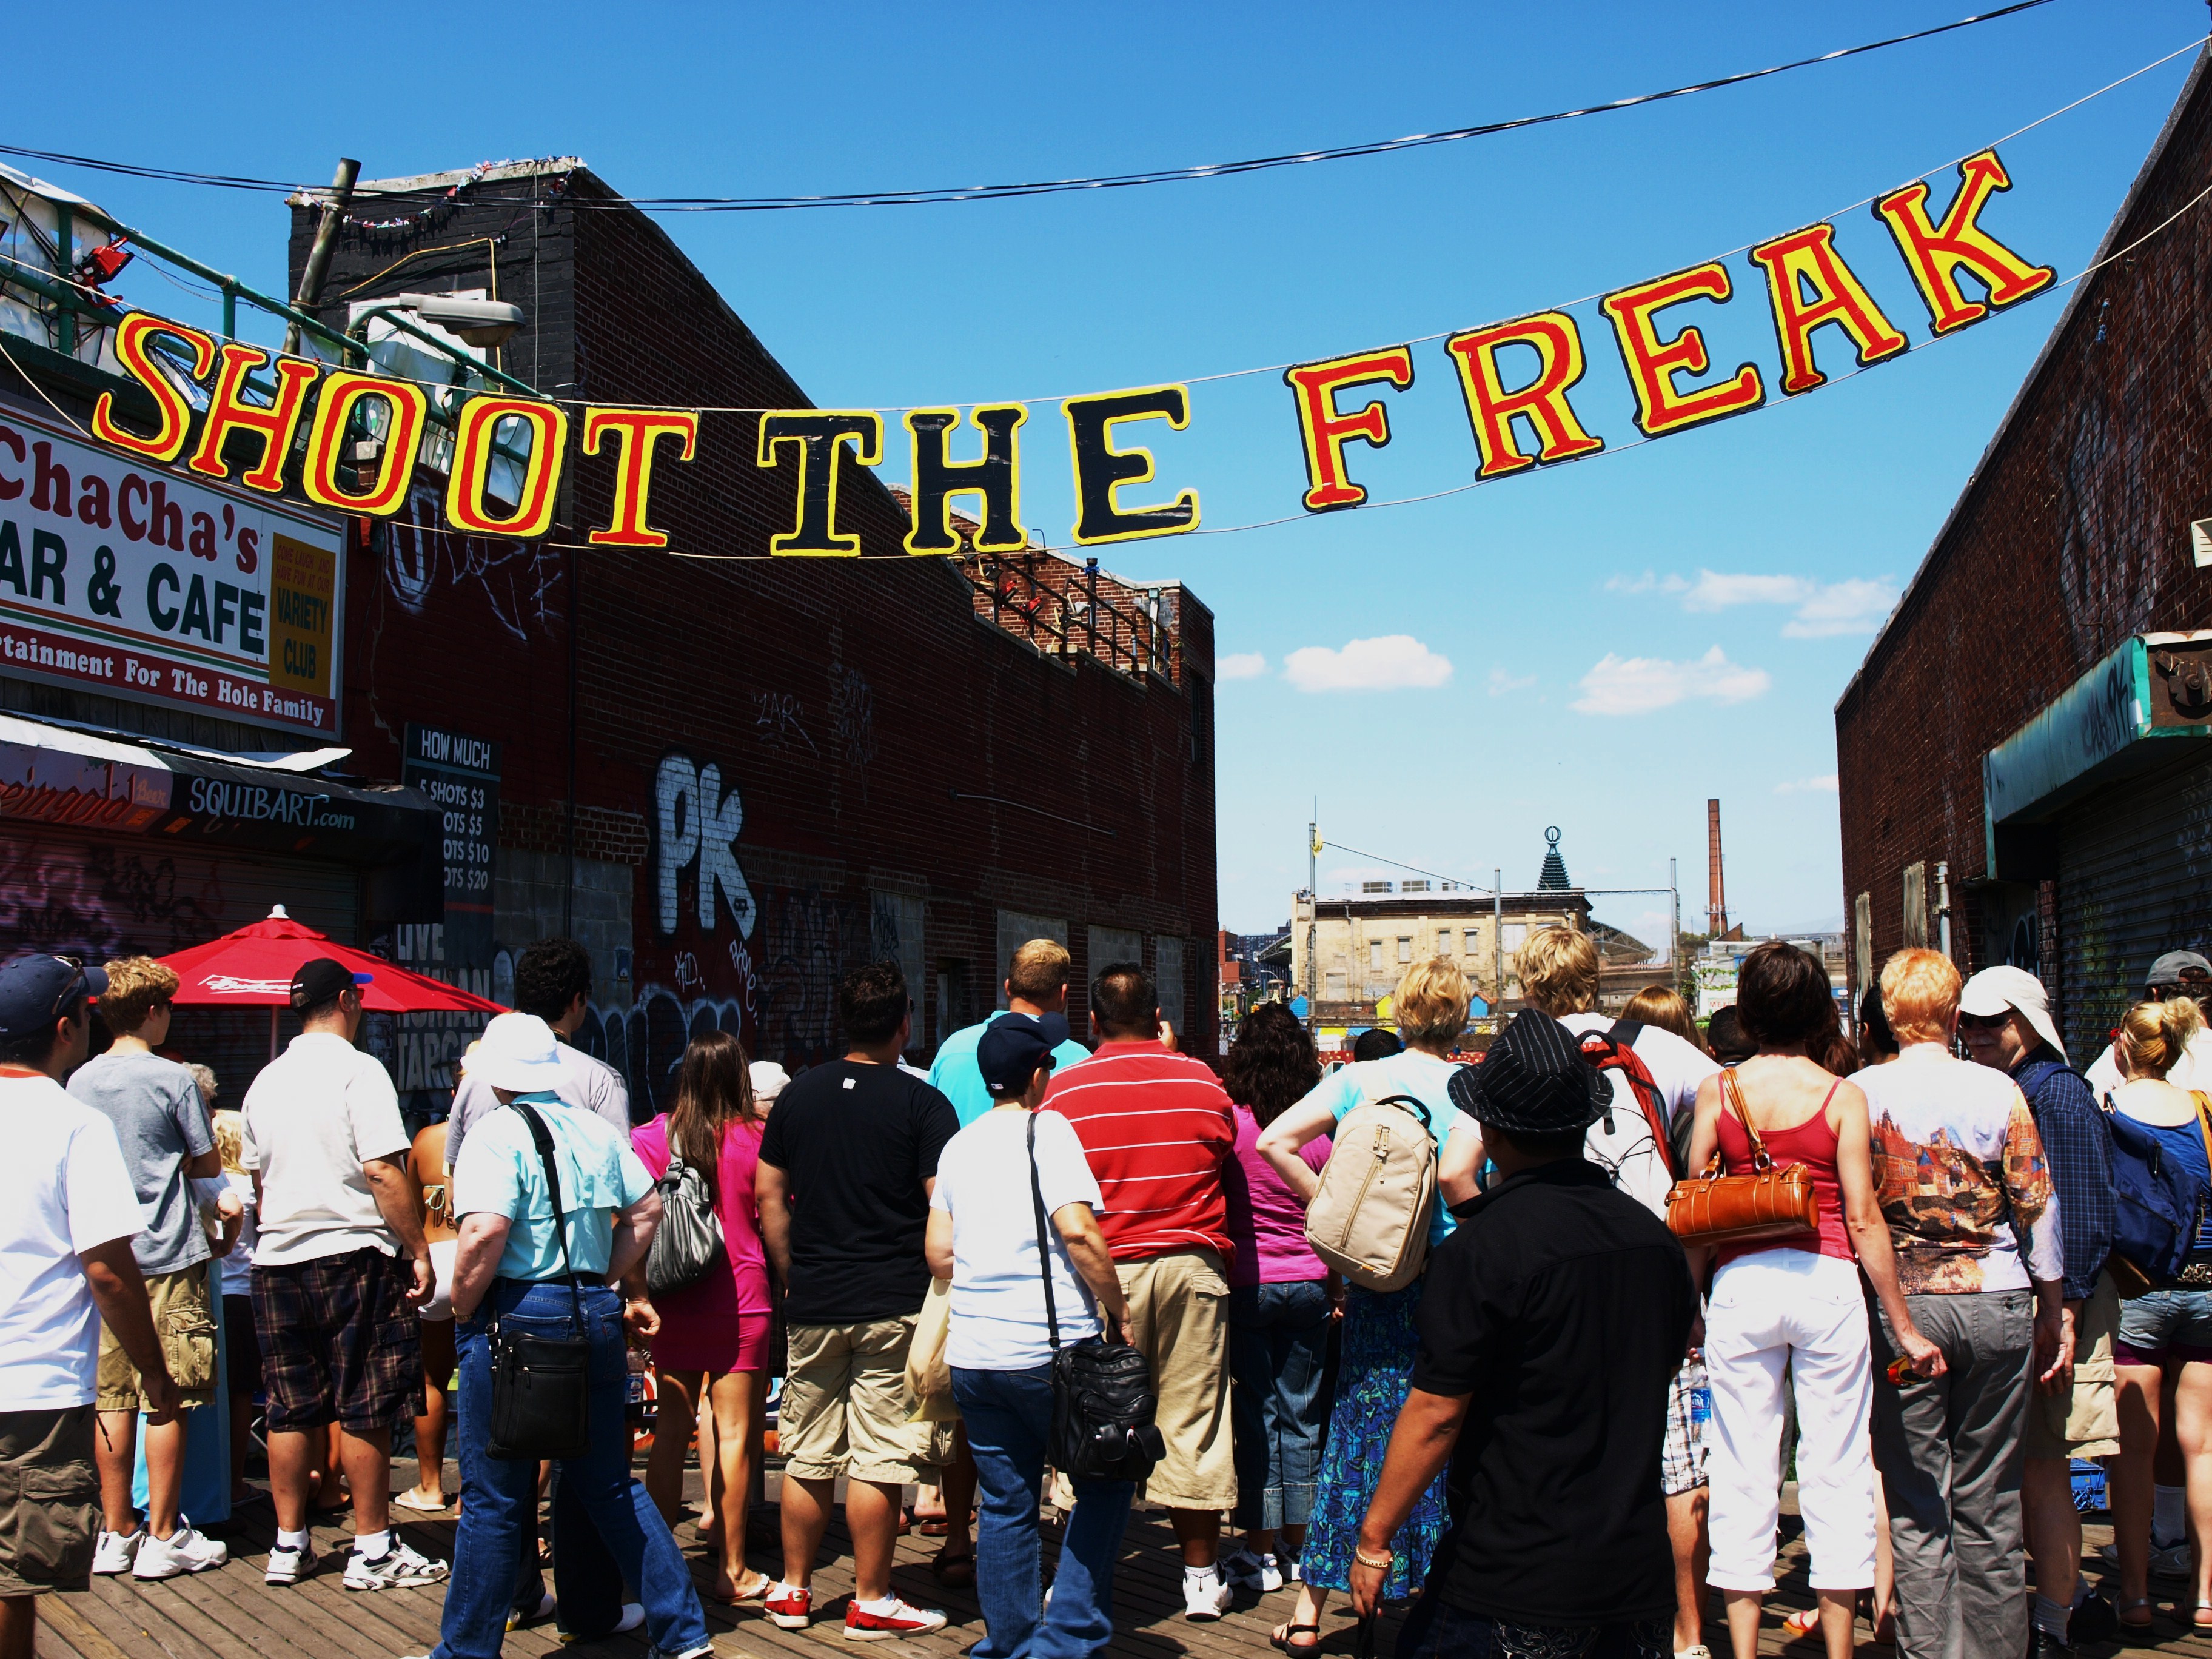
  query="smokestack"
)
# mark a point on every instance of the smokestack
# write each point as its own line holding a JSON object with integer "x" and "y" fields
{"x": 1716, "y": 920}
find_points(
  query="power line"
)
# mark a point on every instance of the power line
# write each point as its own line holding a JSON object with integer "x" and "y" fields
{"x": 936, "y": 195}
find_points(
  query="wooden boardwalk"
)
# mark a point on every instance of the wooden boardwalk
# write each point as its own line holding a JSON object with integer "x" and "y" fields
{"x": 232, "y": 1614}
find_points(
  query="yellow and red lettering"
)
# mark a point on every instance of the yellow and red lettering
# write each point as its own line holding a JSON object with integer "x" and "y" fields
{"x": 273, "y": 423}
{"x": 480, "y": 420}
{"x": 134, "y": 337}
{"x": 1933, "y": 252}
{"x": 1325, "y": 431}
{"x": 635, "y": 432}
{"x": 1661, "y": 406}
{"x": 1491, "y": 408}
{"x": 342, "y": 390}
{"x": 1806, "y": 259}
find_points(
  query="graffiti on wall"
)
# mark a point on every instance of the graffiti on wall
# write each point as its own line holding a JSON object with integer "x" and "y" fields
{"x": 102, "y": 900}
{"x": 696, "y": 825}
{"x": 517, "y": 579}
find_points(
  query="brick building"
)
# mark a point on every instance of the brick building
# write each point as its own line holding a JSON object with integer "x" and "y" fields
{"x": 732, "y": 777}
{"x": 2022, "y": 759}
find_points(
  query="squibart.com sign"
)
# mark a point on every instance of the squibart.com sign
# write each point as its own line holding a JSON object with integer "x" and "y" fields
{"x": 1519, "y": 380}
{"x": 130, "y": 579}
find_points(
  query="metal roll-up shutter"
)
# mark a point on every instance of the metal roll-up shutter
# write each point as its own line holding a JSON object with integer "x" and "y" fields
{"x": 2135, "y": 880}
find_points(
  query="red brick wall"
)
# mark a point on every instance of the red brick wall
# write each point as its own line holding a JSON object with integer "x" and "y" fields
{"x": 2072, "y": 534}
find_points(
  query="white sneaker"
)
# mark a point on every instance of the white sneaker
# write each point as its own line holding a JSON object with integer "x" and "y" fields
{"x": 117, "y": 1551}
{"x": 521, "y": 1618}
{"x": 1291, "y": 1571}
{"x": 288, "y": 1566}
{"x": 2171, "y": 1561}
{"x": 398, "y": 1568}
{"x": 1700, "y": 1651}
{"x": 182, "y": 1551}
{"x": 1206, "y": 1597}
{"x": 1246, "y": 1570}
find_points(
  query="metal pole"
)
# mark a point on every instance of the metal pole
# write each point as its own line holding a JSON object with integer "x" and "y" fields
{"x": 1313, "y": 916}
{"x": 64, "y": 262}
{"x": 1497, "y": 946}
{"x": 319, "y": 256}
{"x": 1674, "y": 933}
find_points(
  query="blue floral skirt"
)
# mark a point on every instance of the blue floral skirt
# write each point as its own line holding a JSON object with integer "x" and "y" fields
{"x": 1374, "y": 1376}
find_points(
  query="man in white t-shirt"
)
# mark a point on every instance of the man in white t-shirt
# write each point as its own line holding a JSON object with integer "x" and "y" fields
{"x": 553, "y": 981}
{"x": 984, "y": 1218}
{"x": 338, "y": 1271}
{"x": 1559, "y": 972}
{"x": 2176, "y": 974}
{"x": 69, "y": 1212}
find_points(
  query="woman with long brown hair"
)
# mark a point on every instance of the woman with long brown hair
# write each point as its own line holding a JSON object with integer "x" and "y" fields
{"x": 710, "y": 1338}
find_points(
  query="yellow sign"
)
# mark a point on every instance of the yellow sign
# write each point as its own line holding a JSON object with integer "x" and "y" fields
{"x": 302, "y": 583}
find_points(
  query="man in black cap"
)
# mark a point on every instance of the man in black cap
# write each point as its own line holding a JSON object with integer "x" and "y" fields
{"x": 2175, "y": 974}
{"x": 69, "y": 1211}
{"x": 1551, "y": 1328}
{"x": 339, "y": 1269}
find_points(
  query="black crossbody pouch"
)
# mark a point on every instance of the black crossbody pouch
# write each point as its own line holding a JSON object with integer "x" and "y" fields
{"x": 541, "y": 1386}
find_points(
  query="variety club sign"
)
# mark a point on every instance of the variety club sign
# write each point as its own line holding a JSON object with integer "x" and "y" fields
{"x": 1517, "y": 378}
{"x": 136, "y": 581}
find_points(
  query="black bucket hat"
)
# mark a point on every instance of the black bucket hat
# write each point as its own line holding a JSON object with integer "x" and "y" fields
{"x": 1533, "y": 1081}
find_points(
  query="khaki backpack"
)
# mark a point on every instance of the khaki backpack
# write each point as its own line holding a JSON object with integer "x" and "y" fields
{"x": 1370, "y": 1219}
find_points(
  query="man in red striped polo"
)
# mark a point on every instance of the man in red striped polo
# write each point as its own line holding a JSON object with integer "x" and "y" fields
{"x": 1157, "y": 1129}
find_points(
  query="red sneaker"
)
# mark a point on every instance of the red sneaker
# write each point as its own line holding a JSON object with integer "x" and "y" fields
{"x": 861, "y": 1626}
{"x": 790, "y": 1608}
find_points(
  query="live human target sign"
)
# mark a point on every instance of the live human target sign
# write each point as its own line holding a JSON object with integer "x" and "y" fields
{"x": 154, "y": 587}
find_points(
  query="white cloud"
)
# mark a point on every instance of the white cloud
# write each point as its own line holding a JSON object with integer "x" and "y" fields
{"x": 1501, "y": 682}
{"x": 1856, "y": 606}
{"x": 1242, "y": 666}
{"x": 1646, "y": 583}
{"x": 1637, "y": 685}
{"x": 1395, "y": 662}
{"x": 1820, "y": 786}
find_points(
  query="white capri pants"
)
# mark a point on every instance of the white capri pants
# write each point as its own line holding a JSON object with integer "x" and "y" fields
{"x": 1777, "y": 1307}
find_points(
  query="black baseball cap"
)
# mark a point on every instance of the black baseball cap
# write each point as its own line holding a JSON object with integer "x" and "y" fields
{"x": 34, "y": 988}
{"x": 316, "y": 982}
{"x": 1014, "y": 1046}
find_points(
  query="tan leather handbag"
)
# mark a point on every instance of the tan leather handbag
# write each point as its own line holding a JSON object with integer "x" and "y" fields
{"x": 1713, "y": 1208}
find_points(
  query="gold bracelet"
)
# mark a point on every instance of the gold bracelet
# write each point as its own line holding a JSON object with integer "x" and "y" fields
{"x": 1360, "y": 1556}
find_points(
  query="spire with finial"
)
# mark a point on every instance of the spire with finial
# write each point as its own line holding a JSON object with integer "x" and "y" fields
{"x": 1554, "y": 878}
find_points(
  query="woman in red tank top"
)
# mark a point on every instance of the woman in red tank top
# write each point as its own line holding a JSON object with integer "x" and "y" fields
{"x": 1796, "y": 1302}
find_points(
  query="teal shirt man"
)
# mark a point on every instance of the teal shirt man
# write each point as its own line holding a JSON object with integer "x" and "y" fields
{"x": 955, "y": 1074}
{"x": 502, "y": 1172}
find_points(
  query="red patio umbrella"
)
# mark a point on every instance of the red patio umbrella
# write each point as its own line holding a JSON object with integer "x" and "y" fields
{"x": 252, "y": 968}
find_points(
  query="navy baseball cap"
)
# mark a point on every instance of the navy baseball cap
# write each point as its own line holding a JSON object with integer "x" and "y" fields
{"x": 34, "y": 989}
{"x": 1012, "y": 1048}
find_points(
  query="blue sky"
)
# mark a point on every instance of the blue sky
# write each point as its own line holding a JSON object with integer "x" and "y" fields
{"x": 1559, "y": 653}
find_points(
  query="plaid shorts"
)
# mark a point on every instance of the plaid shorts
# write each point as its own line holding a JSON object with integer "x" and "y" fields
{"x": 337, "y": 1342}
{"x": 1689, "y": 1412}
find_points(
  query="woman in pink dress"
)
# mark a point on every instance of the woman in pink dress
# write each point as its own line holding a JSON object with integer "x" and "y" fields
{"x": 710, "y": 1338}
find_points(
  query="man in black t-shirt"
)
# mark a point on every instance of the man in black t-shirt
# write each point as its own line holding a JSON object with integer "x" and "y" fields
{"x": 1552, "y": 1325}
{"x": 846, "y": 1165}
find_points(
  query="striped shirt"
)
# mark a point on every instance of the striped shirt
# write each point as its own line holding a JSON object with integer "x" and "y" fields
{"x": 1157, "y": 1129}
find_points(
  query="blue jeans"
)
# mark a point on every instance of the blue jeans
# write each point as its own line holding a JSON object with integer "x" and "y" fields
{"x": 1009, "y": 1419}
{"x": 1278, "y": 1343}
{"x": 617, "y": 1533}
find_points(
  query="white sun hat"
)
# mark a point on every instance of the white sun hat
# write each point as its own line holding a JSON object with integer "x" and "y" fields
{"x": 1996, "y": 991}
{"x": 518, "y": 1053}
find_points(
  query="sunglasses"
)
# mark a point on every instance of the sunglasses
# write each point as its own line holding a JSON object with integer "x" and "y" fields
{"x": 1982, "y": 1022}
{"x": 78, "y": 981}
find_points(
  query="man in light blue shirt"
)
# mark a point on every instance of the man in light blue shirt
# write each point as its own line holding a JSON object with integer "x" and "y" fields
{"x": 1036, "y": 985}
{"x": 511, "y": 1273}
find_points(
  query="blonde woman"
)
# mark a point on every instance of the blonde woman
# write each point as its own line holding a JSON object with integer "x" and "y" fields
{"x": 2169, "y": 1326}
{"x": 1379, "y": 1336}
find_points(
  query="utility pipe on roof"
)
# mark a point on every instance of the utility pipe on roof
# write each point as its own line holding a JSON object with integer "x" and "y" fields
{"x": 319, "y": 256}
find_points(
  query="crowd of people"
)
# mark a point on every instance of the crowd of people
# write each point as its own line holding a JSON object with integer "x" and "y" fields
{"x": 1551, "y": 1425}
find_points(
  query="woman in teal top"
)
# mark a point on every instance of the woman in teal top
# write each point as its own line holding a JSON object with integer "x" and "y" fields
{"x": 1376, "y": 1369}
{"x": 510, "y": 1265}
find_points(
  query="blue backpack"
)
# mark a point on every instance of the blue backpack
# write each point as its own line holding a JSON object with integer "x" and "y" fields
{"x": 2156, "y": 1203}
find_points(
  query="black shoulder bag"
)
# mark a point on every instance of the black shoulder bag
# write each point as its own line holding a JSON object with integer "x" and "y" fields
{"x": 541, "y": 1386}
{"x": 1102, "y": 1392}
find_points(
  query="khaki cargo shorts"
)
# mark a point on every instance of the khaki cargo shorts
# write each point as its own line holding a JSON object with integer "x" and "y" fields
{"x": 49, "y": 1501}
{"x": 2085, "y": 1423}
{"x": 183, "y": 1319}
{"x": 845, "y": 1407}
{"x": 1179, "y": 1321}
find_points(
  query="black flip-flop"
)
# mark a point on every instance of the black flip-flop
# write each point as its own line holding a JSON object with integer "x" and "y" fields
{"x": 1284, "y": 1642}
